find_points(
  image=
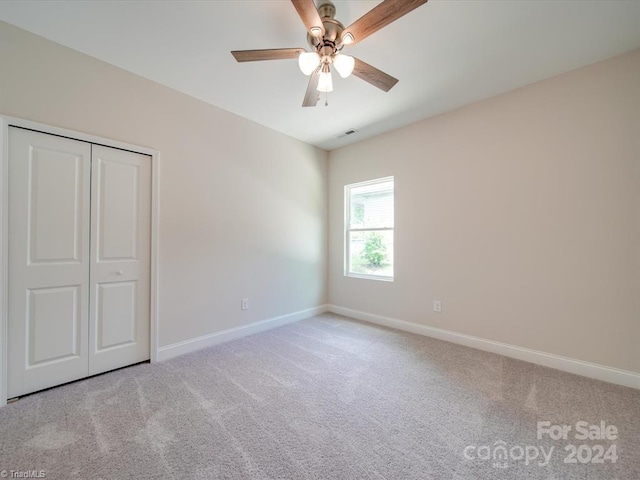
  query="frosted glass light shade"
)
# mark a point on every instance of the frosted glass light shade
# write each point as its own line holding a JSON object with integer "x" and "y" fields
{"x": 344, "y": 64}
{"x": 325, "y": 83}
{"x": 347, "y": 38}
{"x": 308, "y": 62}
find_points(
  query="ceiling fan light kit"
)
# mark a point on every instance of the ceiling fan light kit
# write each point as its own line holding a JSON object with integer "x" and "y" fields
{"x": 327, "y": 37}
{"x": 325, "y": 82}
{"x": 347, "y": 39}
{"x": 344, "y": 64}
{"x": 308, "y": 62}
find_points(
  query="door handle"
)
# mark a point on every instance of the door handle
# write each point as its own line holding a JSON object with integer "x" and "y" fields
{"x": 119, "y": 272}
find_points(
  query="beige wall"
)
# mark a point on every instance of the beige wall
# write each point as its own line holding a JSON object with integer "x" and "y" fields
{"x": 242, "y": 208}
{"x": 520, "y": 213}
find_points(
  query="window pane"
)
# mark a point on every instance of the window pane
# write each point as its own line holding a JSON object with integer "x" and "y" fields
{"x": 371, "y": 253}
{"x": 371, "y": 206}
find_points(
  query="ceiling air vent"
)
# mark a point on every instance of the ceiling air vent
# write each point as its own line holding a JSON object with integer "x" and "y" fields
{"x": 351, "y": 131}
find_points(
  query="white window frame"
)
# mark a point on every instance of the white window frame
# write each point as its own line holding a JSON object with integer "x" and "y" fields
{"x": 348, "y": 230}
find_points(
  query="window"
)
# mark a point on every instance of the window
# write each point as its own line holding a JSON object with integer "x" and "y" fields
{"x": 369, "y": 229}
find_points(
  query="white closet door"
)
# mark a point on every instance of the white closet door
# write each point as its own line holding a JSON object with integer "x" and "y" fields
{"x": 48, "y": 260}
{"x": 120, "y": 258}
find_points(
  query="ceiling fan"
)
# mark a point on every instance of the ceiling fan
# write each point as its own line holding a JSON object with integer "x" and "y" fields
{"x": 327, "y": 37}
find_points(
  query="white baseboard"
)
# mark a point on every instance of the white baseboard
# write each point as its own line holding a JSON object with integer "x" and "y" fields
{"x": 571, "y": 365}
{"x": 198, "y": 343}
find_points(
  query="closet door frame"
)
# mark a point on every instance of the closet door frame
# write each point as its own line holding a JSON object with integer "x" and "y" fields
{"x": 5, "y": 123}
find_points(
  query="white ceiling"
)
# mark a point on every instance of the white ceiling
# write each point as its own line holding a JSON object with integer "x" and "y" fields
{"x": 446, "y": 53}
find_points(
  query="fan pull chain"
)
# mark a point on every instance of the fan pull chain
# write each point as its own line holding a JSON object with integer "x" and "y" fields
{"x": 326, "y": 99}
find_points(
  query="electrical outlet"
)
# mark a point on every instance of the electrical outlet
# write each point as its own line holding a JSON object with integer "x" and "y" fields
{"x": 437, "y": 306}
{"x": 244, "y": 304}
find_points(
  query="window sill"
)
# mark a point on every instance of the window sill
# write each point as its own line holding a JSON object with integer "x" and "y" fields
{"x": 364, "y": 276}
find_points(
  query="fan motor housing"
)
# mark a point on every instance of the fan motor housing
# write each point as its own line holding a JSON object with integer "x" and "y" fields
{"x": 327, "y": 45}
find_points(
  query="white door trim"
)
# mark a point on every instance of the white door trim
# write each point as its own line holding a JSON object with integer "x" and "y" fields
{"x": 5, "y": 123}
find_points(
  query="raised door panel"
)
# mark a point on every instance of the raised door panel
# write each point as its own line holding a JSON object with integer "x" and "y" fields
{"x": 116, "y": 315}
{"x": 53, "y": 316}
{"x": 54, "y": 210}
{"x": 48, "y": 299}
{"x": 117, "y": 221}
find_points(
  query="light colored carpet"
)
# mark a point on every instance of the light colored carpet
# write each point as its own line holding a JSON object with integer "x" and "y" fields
{"x": 324, "y": 398}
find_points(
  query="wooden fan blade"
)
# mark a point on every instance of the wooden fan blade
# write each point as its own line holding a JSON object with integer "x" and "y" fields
{"x": 309, "y": 16}
{"x": 379, "y": 17}
{"x": 375, "y": 77}
{"x": 312, "y": 95}
{"x": 269, "y": 54}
